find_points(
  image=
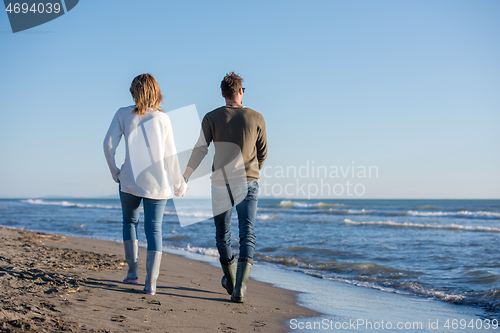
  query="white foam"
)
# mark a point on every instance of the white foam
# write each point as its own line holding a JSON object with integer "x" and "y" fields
{"x": 193, "y": 214}
{"x": 68, "y": 204}
{"x": 409, "y": 289}
{"x": 460, "y": 213}
{"x": 290, "y": 204}
{"x": 424, "y": 226}
{"x": 202, "y": 250}
{"x": 266, "y": 217}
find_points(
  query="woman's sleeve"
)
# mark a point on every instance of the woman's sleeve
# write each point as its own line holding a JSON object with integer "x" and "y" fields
{"x": 110, "y": 144}
{"x": 171, "y": 159}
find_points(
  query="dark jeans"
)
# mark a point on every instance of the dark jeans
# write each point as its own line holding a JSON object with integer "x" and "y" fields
{"x": 247, "y": 210}
{"x": 153, "y": 218}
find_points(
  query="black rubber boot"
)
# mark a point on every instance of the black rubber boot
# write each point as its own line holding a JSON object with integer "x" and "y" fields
{"x": 242, "y": 274}
{"x": 229, "y": 279}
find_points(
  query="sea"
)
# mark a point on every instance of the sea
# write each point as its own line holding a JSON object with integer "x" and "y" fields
{"x": 445, "y": 250}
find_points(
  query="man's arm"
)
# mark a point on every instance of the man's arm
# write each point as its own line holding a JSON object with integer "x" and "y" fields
{"x": 200, "y": 150}
{"x": 261, "y": 144}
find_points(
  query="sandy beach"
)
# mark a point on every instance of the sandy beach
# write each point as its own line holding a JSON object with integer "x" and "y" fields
{"x": 54, "y": 283}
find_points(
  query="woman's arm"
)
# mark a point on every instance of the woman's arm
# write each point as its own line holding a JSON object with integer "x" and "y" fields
{"x": 172, "y": 162}
{"x": 110, "y": 144}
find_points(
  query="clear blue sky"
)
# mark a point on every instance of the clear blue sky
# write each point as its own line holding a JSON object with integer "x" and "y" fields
{"x": 412, "y": 87}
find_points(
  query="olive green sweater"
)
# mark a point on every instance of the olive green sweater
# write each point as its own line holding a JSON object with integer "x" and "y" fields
{"x": 233, "y": 130}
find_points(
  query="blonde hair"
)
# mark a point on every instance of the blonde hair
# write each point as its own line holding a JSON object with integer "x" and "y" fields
{"x": 146, "y": 94}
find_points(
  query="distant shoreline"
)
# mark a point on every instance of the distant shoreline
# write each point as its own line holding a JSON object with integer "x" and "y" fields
{"x": 116, "y": 197}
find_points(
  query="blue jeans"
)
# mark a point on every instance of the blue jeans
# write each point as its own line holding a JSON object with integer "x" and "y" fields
{"x": 153, "y": 218}
{"x": 247, "y": 210}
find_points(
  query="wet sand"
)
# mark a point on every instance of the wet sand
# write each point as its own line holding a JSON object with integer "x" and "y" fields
{"x": 53, "y": 283}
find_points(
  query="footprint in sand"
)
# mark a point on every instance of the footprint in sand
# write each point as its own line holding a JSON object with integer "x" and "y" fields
{"x": 118, "y": 318}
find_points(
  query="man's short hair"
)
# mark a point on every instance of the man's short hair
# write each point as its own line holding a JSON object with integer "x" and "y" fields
{"x": 231, "y": 84}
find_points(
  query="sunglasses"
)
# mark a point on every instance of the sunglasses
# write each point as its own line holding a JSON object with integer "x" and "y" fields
{"x": 243, "y": 89}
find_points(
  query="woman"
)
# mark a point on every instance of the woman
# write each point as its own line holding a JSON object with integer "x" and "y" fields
{"x": 150, "y": 146}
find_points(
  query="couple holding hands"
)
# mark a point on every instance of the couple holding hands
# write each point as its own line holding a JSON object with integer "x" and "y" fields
{"x": 239, "y": 137}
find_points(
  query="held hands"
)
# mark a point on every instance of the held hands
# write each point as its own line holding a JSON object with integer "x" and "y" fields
{"x": 180, "y": 190}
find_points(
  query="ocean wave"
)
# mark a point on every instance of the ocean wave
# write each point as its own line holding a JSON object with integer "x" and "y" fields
{"x": 175, "y": 238}
{"x": 424, "y": 226}
{"x": 463, "y": 213}
{"x": 359, "y": 212}
{"x": 425, "y": 207}
{"x": 489, "y": 300}
{"x": 68, "y": 204}
{"x": 366, "y": 269}
{"x": 209, "y": 215}
{"x": 459, "y": 214}
{"x": 287, "y": 261}
{"x": 366, "y": 284}
{"x": 491, "y": 297}
{"x": 337, "y": 209}
{"x": 202, "y": 250}
{"x": 482, "y": 276}
{"x": 419, "y": 289}
{"x": 191, "y": 214}
{"x": 109, "y": 221}
{"x": 319, "y": 205}
{"x": 81, "y": 205}
{"x": 266, "y": 217}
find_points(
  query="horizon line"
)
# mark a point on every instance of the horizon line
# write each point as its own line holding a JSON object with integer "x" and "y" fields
{"x": 268, "y": 197}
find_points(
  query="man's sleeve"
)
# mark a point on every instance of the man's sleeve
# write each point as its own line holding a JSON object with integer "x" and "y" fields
{"x": 261, "y": 144}
{"x": 201, "y": 147}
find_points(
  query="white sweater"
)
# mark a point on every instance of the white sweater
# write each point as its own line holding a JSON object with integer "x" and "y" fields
{"x": 150, "y": 147}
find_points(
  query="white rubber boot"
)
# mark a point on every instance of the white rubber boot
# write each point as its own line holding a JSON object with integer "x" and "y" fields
{"x": 132, "y": 258}
{"x": 153, "y": 262}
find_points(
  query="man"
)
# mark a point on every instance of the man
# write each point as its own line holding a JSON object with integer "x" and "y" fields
{"x": 239, "y": 136}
